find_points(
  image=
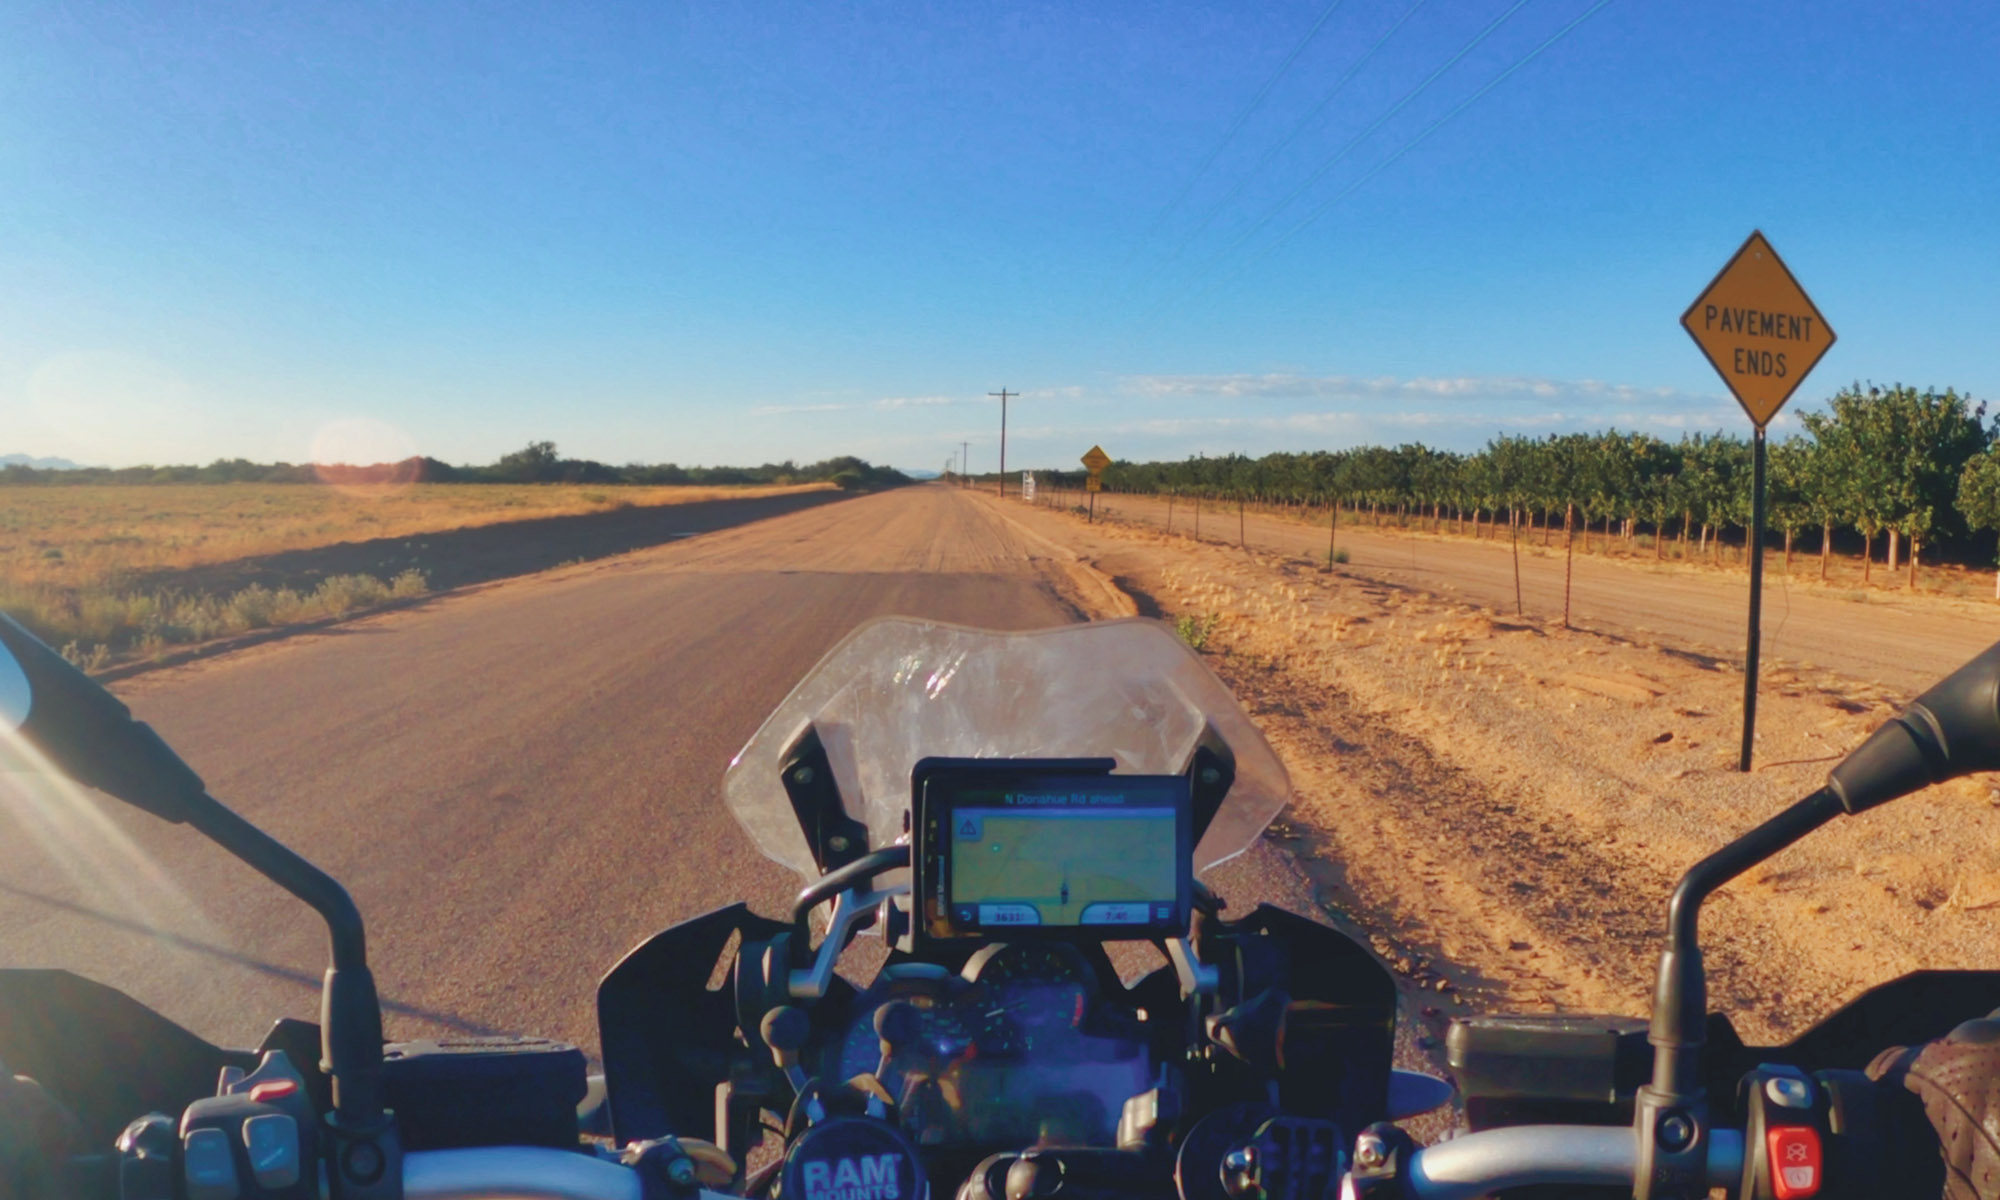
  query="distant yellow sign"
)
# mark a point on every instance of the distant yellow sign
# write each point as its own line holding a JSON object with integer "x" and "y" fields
{"x": 1093, "y": 483}
{"x": 1096, "y": 460}
{"x": 1759, "y": 329}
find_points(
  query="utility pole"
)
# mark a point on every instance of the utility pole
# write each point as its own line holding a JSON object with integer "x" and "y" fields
{"x": 1003, "y": 393}
{"x": 964, "y": 457}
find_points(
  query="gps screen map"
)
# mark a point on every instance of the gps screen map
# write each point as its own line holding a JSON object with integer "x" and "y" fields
{"x": 1106, "y": 853}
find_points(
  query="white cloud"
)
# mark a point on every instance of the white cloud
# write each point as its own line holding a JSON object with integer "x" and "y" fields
{"x": 1292, "y": 386}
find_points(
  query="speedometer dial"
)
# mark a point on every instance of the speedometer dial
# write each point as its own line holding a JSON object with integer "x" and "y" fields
{"x": 1029, "y": 963}
{"x": 1029, "y": 993}
{"x": 934, "y": 1031}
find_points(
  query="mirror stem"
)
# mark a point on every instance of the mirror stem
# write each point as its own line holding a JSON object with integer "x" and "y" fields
{"x": 350, "y": 1010}
{"x": 1680, "y": 1001}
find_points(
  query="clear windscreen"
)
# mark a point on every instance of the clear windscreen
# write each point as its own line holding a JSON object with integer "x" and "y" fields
{"x": 898, "y": 690}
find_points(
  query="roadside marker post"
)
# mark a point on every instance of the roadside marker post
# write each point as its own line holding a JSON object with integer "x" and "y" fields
{"x": 1762, "y": 334}
{"x": 1332, "y": 530}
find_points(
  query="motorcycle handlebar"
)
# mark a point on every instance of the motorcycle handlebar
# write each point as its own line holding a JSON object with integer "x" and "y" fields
{"x": 1464, "y": 1168}
{"x": 519, "y": 1173}
{"x": 1478, "y": 1163}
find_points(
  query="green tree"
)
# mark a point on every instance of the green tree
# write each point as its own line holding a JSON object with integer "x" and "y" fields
{"x": 1788, "y": 495}
{"x": 1978, "y": 497}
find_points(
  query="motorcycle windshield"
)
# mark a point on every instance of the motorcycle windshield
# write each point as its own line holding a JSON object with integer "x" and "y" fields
{"x": 899, "y": 690}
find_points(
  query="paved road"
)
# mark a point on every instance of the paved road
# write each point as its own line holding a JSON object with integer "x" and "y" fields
{"x": 517, "y": 783}
{"x": 1902, "y": 644}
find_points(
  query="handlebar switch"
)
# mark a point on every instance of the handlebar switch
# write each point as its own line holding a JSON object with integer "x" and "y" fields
{"x": 1785, "y": 1134}
{"x": 255, "y": 1141}
{"x": 149, "y": 1158}
{"x": 1287, "y": 1158}
{"x": 1796, "y": 1161}
{"x": 1381, "y": 1153}
{"x": 666, "y": 1171}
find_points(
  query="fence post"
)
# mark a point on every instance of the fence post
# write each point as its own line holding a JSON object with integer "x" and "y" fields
{"x": 1514, "y": 524}
{"x": 1569, "y": 557}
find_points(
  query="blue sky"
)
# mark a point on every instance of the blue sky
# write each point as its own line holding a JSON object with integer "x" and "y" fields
{"x": 723, "y": 232}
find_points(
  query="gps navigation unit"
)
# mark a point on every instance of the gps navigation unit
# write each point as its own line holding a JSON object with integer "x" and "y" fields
{"x": 1027, "y": 851}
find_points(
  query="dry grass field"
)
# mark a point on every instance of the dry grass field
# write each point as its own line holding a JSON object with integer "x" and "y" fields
{"x": 90, "y": 568}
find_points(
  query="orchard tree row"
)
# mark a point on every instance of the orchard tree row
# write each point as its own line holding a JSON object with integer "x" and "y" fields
{"x": 1921, "y": 467}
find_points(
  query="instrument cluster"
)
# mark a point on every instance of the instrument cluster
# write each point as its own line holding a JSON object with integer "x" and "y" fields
{"x": 1010, "y": 999}
{"x": 1017, "y": 1046}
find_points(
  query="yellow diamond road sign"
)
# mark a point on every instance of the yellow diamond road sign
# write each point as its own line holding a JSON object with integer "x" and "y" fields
{"x": 1096, "y": 460}
{"x": 1759, "y": 329}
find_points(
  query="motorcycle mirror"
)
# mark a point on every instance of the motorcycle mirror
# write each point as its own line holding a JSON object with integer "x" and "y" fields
{"x": 1951, "y": 730}
{"x": 85, "y": 732}
{"x": 88, "y": 735}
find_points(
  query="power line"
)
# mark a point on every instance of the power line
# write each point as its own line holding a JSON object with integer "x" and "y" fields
{"x": 1296, "y": 129}
{"x": 1434, "y": 126}
{"x": 1244, "y": 116}
{"x": 1209, "y": 267}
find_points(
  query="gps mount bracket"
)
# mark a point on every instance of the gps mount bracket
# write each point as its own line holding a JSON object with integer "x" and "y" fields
{"x": 1197, "y": 978}
{"x": 834, "y": 838}
{"x": 851, "y": 909}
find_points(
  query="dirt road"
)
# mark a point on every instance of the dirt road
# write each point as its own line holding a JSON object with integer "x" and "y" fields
{"x": 1904, "y": 643}
{"x": 517, "y": 783}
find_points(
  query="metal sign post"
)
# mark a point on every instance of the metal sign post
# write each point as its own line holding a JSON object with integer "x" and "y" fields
{"x": 1762, "y": 334}
{"x": 1095, "y": 460}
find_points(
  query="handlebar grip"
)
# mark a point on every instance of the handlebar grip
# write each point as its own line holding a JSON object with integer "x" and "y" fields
{"x": 517, "y": 1173}
{"x": 1524, "y": 1155}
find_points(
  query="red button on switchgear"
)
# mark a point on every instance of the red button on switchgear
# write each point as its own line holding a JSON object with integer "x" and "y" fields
{"x": 1795, "y": 1161}
{"x": 273, "y": 1089}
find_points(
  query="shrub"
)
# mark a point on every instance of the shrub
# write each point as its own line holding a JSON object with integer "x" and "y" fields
{"x": 1195, "y": 630}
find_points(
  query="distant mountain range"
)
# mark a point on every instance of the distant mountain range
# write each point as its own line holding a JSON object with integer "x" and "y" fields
{"x": 43, "y": 464}
{"x": 912, "y": 472}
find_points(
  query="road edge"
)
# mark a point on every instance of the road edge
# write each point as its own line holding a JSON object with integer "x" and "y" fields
{"x": 1092, "y": 585}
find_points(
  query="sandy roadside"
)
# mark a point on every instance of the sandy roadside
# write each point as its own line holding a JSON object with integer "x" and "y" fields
{"x": 1505, "y": 804}
{"x": 1886, "y": 635}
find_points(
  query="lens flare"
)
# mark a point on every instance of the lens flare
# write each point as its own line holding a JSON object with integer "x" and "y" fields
{"x": 362, "y": 456}
{"x": 42, "y": 807}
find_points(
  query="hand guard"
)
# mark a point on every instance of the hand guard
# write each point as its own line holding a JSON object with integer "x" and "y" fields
{"x": 37, "y": 1137}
